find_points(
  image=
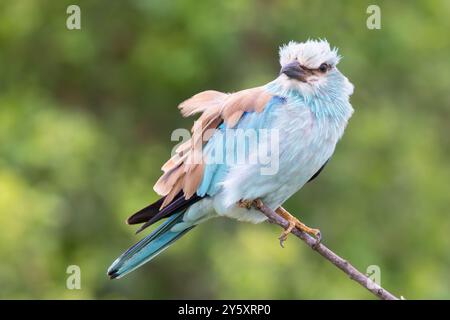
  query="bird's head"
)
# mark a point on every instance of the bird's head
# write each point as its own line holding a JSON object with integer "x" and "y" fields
{"x": 310, "y": 67}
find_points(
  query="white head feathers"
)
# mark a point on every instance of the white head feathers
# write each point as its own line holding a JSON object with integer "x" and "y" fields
{"x": 310, "y": 54}
{"x": 317, "y": 73}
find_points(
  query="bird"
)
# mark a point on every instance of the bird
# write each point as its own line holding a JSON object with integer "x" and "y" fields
{"x": 303, "y": 113}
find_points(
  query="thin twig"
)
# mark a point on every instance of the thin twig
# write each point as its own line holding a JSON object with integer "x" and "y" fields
{"x": 342, "y": 264}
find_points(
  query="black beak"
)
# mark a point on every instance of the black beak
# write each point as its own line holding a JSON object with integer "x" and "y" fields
{"x": 294, "y": 71}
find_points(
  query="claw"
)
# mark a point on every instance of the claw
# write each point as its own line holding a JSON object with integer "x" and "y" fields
{"x": 295, "y": 223}
{"x": 318, "y": 237}
{"x": 284, "y": 235}
{"x": 246, "y": 204}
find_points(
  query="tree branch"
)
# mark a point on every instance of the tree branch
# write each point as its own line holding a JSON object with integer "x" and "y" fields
{"x": 342, "y": 264}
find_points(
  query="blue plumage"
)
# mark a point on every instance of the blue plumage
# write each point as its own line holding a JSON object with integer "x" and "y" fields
{"x": 148, "y": 248}
{"x": 305, "y": 109}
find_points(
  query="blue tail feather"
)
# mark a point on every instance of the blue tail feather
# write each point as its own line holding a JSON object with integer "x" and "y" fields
{"x": 148, "y": 248}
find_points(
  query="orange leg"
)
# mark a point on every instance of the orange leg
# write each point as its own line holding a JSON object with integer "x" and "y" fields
{"x": 295, "y": 223}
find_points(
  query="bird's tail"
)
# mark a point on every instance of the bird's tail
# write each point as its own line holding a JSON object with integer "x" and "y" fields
{"x": 149, "y": 247}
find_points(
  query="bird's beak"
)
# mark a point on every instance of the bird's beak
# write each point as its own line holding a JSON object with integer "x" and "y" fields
{"x": 294, "y": 71}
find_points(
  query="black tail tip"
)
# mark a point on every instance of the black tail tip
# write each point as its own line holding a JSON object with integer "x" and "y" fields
{"x": 113, "y": 274}
{"x": 141, "y": 228}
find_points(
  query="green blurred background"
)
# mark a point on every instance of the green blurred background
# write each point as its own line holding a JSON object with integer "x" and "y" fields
{"x": 85, "y": 124}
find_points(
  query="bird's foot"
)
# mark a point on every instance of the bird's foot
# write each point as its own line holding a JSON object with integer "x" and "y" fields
{"x": 295, "y": 223}
{"x": 246, "y": 204}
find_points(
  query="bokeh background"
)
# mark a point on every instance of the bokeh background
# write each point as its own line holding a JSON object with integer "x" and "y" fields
{"x": 85, "y": 124}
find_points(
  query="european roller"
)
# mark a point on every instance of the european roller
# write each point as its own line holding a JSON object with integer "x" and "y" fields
{"x": 295, "y": 121}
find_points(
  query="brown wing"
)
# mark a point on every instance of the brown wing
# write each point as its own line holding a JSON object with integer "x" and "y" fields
{"x": 184, "y": 171}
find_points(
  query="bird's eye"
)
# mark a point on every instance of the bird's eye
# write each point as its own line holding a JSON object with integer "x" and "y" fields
{"x": 323, "y": 67}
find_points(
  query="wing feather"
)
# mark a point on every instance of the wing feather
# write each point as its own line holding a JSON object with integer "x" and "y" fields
{"x": 184, "y": 171}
